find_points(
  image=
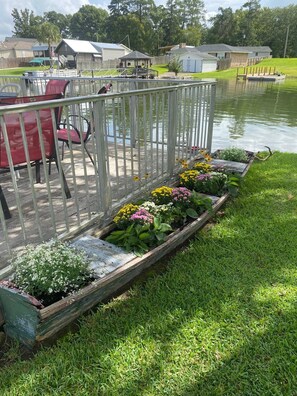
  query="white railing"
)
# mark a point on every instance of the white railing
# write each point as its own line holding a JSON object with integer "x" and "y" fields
{"x": 138, "y": 139}
{"x": 35, "y": 83}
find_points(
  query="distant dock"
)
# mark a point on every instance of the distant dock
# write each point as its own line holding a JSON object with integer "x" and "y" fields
{"x": 259, "y": 74}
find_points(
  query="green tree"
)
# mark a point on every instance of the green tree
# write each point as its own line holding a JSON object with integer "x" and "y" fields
{"x": 119, "y": 7}
{"x": 158, "y": 34}
{"x": 191, "y": 12}
{"x": 48, "y": 33}
{"x": 222, "y": 27}
{"x": 25, "y": 23}
{"x": 89, "y": 23}
{"x": 248, "y": 21}
{"x": 127, "y": 25}
{"x": 60, "y": 20}
{"x": 172, "y": 23}
{"x": 141, "y": 8}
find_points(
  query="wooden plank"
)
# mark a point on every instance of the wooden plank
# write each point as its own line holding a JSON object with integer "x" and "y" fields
{"x": 21, "y": 316}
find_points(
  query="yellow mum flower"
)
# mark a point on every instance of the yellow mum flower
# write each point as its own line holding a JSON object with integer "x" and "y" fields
{"x": 202, "y": 167}
{"x": 124, "y": 213}
{"x": 188, "y": 178}
{"x": 162, "y": 195}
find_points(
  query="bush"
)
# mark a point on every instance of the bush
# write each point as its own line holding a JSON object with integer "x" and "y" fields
{"x": 175, "y": 65}
{"x": 50, "y": 271}
{"x": 233, "y": 154}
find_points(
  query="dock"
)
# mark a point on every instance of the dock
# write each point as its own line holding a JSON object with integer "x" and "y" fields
{"x": 260, "y": 74}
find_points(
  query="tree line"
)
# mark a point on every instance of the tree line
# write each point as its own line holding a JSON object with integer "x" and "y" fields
{"x": 146, "y": 27}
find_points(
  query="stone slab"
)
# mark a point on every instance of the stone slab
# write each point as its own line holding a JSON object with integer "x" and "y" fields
{"x": 237, "y": 167}
{"x": 104, "y": 257}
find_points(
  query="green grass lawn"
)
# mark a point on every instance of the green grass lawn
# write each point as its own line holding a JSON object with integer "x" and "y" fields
{"x": 18, "y": 71}
{"x": 284, "y": 65}
{"x": 221, "y": 320}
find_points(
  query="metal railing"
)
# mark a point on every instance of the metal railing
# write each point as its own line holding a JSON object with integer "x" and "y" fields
{"x": 35, "y": 83}
{"x": 138, "y": 140}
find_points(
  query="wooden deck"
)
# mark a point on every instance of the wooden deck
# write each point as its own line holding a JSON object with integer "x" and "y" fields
{"x": 84, "y": 190}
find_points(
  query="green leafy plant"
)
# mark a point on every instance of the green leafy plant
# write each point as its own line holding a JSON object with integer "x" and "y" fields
{"x": 50, "y": 271}
{"x": 233, "y": 183}
{"x": 139, "y": 238}
{"x": 233, "y": 154}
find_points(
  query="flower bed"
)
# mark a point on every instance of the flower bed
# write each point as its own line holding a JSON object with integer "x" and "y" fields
{"x": 141, "y": 226}
{"x": 143, "y": 232}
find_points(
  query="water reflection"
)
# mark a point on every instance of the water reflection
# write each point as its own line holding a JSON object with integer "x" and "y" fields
{"x": 254, "y": 114}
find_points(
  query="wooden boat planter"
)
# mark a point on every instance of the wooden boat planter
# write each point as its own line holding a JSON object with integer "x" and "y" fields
{"x": 32, "y": 324}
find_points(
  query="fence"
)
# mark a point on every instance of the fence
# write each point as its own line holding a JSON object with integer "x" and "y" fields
{"x": 14, "y": 62}
{"x": 138, "y": 140}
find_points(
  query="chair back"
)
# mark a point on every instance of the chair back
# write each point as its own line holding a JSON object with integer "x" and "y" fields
{"x": 11, "y": 89}
{"x": 29, "y": 99}
{"x": 56, "y": 87}
{"x": 14, "y": 132}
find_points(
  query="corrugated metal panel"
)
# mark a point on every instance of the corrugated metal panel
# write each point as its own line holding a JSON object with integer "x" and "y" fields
{"x": 100, "y": 46}
{"x": 81, "y": 46}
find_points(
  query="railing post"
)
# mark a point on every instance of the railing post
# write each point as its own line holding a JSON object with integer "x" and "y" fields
{"x": 172, "y": 130}
{"x": 101, "y": 154}
{"x": 211, "y": 117}
{"x": 133, "y": 119}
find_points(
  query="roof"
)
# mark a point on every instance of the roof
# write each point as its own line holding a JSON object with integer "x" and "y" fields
{"x": 258, "y": 48}
{"x": 78, "y": 46}
{"x": 88, "y": 47}
{"x": 221, "y": 48}
{"x": 40, "y": 47}
{"x": 17, "y": 43}
{"x": 193, "y": 51}
{"x": 175, "y": 47}
{"x": 135, "y": 55}
{"x": 100, "y": 46}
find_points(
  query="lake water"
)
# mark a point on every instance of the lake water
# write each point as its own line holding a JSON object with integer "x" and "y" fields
{"x": 254, "y": 114}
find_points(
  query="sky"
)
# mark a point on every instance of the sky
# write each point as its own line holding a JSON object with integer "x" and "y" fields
{"x": 72, "y": 6}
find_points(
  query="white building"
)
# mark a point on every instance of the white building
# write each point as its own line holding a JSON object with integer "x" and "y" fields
{"x": 83, "y": 54}
{"x": 194, "y": 61}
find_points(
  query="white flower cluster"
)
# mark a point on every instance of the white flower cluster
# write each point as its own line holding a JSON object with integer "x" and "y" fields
{"x": 50, "y": 268}
{"x": 156, "y": 210}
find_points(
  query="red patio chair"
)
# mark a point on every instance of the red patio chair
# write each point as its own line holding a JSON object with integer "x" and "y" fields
{"x": 68, "y": 130}
{"x": 16, "y": 144}
{"x": 56, "y": 87}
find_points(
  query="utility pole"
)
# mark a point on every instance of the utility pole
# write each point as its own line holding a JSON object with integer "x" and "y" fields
{"x": 286, "y": 42}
